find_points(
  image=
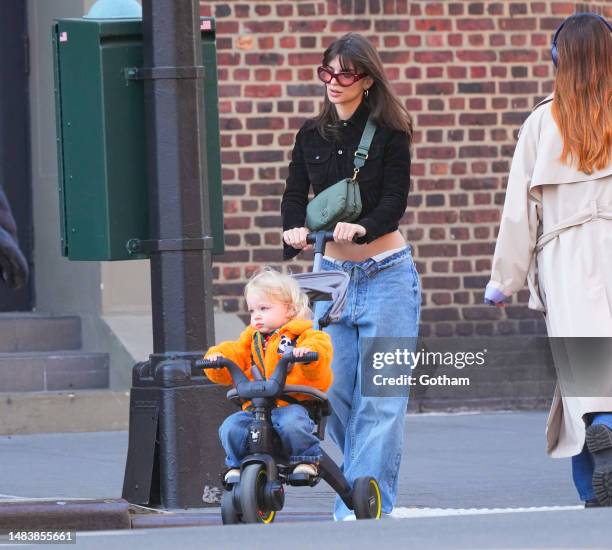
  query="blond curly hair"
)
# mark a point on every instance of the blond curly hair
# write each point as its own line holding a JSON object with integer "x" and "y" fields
{"x": 281, "y": 288}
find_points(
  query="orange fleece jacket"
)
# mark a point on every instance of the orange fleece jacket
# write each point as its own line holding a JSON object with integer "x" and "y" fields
{"x": 317, "y": 374}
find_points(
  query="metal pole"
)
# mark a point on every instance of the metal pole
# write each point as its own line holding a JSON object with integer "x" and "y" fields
{"x": 181, "y": 262}
{"x": 174, "y": 456}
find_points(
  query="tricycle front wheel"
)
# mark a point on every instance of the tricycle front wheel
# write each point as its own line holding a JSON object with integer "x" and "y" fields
{"x": 252, "y": 484}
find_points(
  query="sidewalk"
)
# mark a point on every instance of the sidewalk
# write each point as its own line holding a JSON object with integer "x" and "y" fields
{"x": 492, "y": 460}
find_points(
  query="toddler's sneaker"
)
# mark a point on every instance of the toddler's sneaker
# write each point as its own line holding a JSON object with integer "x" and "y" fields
{"x": 232, "y": 476}
{"x": 599, "y": 443}
{"x": 309, "y": 469}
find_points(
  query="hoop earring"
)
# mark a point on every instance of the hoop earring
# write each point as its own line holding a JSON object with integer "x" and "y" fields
{"x": 366, "y": 93}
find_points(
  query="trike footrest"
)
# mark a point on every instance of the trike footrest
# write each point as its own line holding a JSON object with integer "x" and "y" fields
{"x": 302, "y": 480}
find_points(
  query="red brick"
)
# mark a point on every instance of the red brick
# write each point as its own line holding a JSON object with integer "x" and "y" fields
{"x": 456, "y": 8}
{"x": 264, "y": 26}
{"x": 476, "y": 56}
{"x": 264, "y": 59}
{"x": 260, "y": 90}
{"x": 412, "y": 40}
{"x": 236, "y": 223}
{"x": 433, "y": 56}
{"x": 455, "y": 40}
{"x": 439, "y": 217}
{"x": 243, "y": 140}
{"x": 434, "y": 40}
{"x": 473, "y": 24}
{"x": 437, "y": 234}
{"x": 441, "y": 298}
{"x": 288, "y": 42}
{"x": 448, "y": 283}
{"x": 395, "y": 57}
{"x": 479, "y": 216}
{"x": 477, "y": 249}
{"x": 518, "y": 56}
{"x": 350, "y": 25}
{"x": 433, "y": 25}
{"x": 392, "y": 25}
{"x": 262, "y": 9}
{"x": 307, "y": 26}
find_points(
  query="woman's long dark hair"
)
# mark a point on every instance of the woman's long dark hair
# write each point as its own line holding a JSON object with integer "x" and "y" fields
{"x": 356, "y": 53}
{"x": 582, "y": 105}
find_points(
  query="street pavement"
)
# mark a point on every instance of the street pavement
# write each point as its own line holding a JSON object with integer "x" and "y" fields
{"x": 466, "y": 481}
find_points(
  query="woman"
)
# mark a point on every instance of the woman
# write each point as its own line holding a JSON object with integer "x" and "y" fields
{"x": 556, "y": 231}
{"x": 384, "y": 293}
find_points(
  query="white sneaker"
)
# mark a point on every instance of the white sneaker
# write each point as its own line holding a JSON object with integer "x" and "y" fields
{"x": 305, "y": 468}
{"x": 348, "y": 517}
{"x": 232, "y": 475}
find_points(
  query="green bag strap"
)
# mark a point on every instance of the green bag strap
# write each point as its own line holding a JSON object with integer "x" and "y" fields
{"x": 361, "y": 154}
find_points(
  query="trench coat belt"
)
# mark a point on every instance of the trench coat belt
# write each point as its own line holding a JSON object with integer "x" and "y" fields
{"x": 594, "y": 212}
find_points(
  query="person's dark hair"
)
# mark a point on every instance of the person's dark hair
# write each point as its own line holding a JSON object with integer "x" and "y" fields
{"x": 582, "y": 104}
{"x": 356, "y": 53}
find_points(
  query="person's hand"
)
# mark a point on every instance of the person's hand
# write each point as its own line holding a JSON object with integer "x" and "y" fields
{"x": 213, "y": 356}
{"x": 300, "y": 352}
{"x": 13, "y": 265}
{"x": 296, "y": 238}
{"x": 344, "y": 232}
{"x": 494, "y": 296}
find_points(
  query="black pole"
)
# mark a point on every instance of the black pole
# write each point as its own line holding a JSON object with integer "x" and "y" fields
{"x": 174, "y": 456}
{"x": 181, "y": 272}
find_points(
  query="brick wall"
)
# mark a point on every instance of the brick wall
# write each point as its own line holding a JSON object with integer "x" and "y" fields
{"x": 469, "y": 73}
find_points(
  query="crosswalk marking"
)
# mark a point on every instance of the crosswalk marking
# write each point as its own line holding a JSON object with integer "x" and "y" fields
{"x": 405, "y": 513}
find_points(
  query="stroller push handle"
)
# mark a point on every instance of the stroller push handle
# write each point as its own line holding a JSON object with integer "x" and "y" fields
{"x": 320, "y": 236}
{"x": 319, "y": 239}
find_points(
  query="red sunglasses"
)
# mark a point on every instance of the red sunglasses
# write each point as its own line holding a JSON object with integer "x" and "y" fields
{"x": 344, "y": 78}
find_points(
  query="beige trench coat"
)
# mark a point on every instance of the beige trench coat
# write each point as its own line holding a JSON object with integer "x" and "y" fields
{"x": 556, "y": 231}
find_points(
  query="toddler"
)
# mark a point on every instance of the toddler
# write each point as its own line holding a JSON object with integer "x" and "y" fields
{"x": 279, "y": 321}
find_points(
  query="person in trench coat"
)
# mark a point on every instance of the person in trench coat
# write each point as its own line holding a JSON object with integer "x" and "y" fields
{"x": 556, "y": 232}
{"x": 13, "y": 265}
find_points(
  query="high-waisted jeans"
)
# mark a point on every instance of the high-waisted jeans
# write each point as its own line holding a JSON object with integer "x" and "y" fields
{"x": 384, "y": 299}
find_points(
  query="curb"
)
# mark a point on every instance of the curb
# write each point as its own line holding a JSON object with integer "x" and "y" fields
{"x": 64, "y": 515}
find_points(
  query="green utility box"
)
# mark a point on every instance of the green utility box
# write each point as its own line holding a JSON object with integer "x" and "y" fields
{"x": 101, "y": 138}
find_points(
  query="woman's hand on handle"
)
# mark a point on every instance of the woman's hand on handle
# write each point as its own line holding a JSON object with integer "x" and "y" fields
{"x": 344, "y": 232}
{"x": 296, "y": 238}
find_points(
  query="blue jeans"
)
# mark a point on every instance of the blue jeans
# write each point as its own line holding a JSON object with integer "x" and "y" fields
{"x": 582, "y": 464}
{"x": 293, "y": 425}
{"x": 384, "y": 299}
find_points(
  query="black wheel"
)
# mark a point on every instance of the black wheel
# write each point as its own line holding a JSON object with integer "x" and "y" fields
{"x": 366, "y": 498}
{"x": 230, "y": 513}
{"x": 252, "y": 483}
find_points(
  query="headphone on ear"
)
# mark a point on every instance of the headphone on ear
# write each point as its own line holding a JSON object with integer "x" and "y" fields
{"x": 553, "y": 49}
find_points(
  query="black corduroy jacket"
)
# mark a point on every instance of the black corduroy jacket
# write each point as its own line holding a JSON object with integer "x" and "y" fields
{"x": 317, "y": 163}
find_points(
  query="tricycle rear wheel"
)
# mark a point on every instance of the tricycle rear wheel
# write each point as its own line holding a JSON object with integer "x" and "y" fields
{"x": 366, "y": 498}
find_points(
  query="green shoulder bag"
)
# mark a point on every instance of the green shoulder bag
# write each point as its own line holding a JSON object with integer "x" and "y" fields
{"x": 341, "y": 202}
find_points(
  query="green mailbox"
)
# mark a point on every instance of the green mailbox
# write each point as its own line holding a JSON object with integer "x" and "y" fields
{"x": 101, "y": 140}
